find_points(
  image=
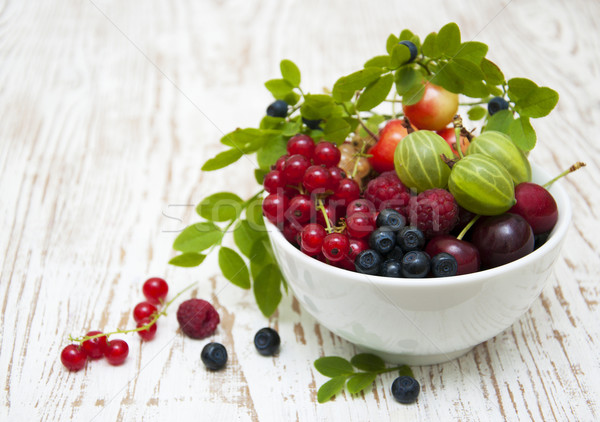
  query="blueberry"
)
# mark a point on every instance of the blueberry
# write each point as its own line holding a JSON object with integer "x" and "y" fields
{"x": 312, "y": 124}
{"x": 278, "y": 109}
{"x": 496, "y": 104}
{"x": 391, "y": 268}
{"x": 412, "y": 48}
{"x": 415, "y": 264}
{"x": 267, "y": 341}
{"x": 382, "y": 240}
{"x": 396, "y": 253}
{"x": 405, "y": 389}
{"x": 368, "y": 262}
{"x": 540, "y": 239}
{"x": 411, "y": 238}
{"x": 214, "y": 356}
{"x": 391, "y": 218}
{"x": 443, "y": 265}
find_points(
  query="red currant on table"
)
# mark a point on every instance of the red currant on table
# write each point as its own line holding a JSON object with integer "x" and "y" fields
{"x": 274, "y": 207}
{"x": 316, "y": 178}
{"x": 335, "y": 247}
{"x": 149, "y": 333}
{"x": 116, "y": 352}
{"x": 301, "y": 144}
{"x": 155, "y": 289}
{"x": 95, "y": 347}
{"x": 360, "y": 224}
{"x": 294, "y": 168}
{"x": 143, "y": 310}
{"x": 311, "y": 238}
{"x": 274, "y": 181}
{"x": 327, "y": 154}
{"x": 73, "y": 357}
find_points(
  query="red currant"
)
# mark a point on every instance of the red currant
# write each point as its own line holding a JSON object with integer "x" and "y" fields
{"x": 300, "y": 209}
{"x": 360, "y": 205}
{"x": 281, "y": 162}
{"x": 143, "y": 310}
{"x": 346, "y": 264}
{"x": 294, "y": 168}
{"x": 73, "y": 357}
{"x": 316, "y": 178}
{"x": 332, "y": 211}
{"x": 274, "y": 207}
{"x": 327, "y": 154}
{"x": 356, "y": 247}
{"x": 335, "y": 247}
{"x": 94, "y": 347}
{"x": 360, "y": 224}
{"x": 155, "y": 289}
{"x": 311, "y": 238}
{"x": 292, "y": 233}
{"x": 301, "y": 144}
{"x": 274, "y": 182}
{"x": 336, "y": 175}
{"x": 116, "y": 352}
{"x": 347, "y": 191}
{"x": 149, "y": 333}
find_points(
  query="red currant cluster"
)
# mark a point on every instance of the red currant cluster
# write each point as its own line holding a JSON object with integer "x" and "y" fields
{"x": 94, "y": 345}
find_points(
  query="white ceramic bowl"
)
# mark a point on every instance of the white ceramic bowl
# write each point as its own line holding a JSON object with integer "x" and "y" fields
{"x": 422, "y": 321}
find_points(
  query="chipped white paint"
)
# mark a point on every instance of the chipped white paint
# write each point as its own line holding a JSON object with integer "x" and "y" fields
{"x": 108, "y": 110}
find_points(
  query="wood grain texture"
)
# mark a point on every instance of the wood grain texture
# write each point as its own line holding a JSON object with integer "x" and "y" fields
{"x": 109, "y": 108}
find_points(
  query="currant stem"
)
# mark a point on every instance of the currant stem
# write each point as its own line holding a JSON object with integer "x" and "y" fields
{"x": 457, "y": 130}
{"x": 467, "y": 227}
{"x": 357, "y": 158}
{"x": 321, "y": 207}
{"x": 571, "y": 169}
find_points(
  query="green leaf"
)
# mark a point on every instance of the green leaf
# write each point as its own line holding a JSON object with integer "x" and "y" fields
{"x": 538, "y": 103}
{"x": 221, "y": 206}
{"x": 520, "y": 88}
{"x": 254, "y": 214}
{"x": 466, "y": 69}
{"x": 447, "y": 78}
{"x": 333, "y": 366}
{"x": 522, "y": 133}
{"x": 375, "y": 93}
{"x": 336, "y": 130}
{"x": 359, "y": 382}
{"x": 259, "y": 175}
{"x": 372, "y": 123}
{"x": 188, "y": 259}
{"x": 316, "y": 106}
{"x": 292, "y": 127}
{"x": 197, "y": 237}
{"x": 474, "y": 89}
{"x": 368, "y": 362}
{"x": 290, "y": 72}
{"x": 405, "y": 371}
{"x": 400, "y": 55}
{"x": 430, "y": 45}
{"x": 492, "y": 73}
{"x": 448, "y": 39}
{"x": 270, "y": 152}
{"x": 500, "y": 121}
{"x": 476, "y": 113}
{"x": 267, "y": 122}
{"x": 494, "y": 90}
{"x": 260, "y": 256}
{"x": 406, "y": 78}
{"x": 279, "y": 88}
{"x": 291, "y": 98}
{"x": 413, "y": 95}
{"x": 345, "y": 87}
{"x": 249, "y": 139}
{"x": 244, "y": 236}
{"x": 407, "y": 35}
{"x": 391, "y": 42}
{"x": 267, "y": 289}
{"x": 234, "y": 268}
{"x": 330, "y": 389}
{"x": 472, "y": 51}
{"x": 378, "y": 61}
{"x": 222, "y": 159}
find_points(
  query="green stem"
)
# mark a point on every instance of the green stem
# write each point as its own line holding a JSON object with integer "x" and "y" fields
{"x": 467, "y": 227}
{"x": 424, "y": 65}
{"x": 394, "y": 104}
{"x": 475, "y": 103}
{"x": 457, "y": 129}
{"x": 571, "y": 169}
{"x": 357, "y": 158}
{"x": 321, "y": 207}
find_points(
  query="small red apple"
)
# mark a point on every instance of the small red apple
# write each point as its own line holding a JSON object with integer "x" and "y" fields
{"x": 435, "y": 110}
{"x": 450, "y": 137}
{"x": 382, "y": 152}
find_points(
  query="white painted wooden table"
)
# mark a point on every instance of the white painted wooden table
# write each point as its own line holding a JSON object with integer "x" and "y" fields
{"x": 109, "y": 108}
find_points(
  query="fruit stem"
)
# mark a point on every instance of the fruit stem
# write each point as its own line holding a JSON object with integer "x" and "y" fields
{"x": 571, "y": 169}
{"x": 406, "y": 124}
{"x": 467, "y": 227}
{"x": 457, "y": 122}
{"x": 357, "y": 158}
{"x": 321, "y": 207}
{"x": 155, "y": 317}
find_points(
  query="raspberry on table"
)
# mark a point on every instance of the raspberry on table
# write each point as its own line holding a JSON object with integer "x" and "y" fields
{"x": 197, "y": 318}
{"x": 434, "y": 212}
{"x": 387, "y": 191}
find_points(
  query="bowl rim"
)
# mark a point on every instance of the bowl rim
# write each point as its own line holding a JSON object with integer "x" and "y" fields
{"x": 556, "y": 236}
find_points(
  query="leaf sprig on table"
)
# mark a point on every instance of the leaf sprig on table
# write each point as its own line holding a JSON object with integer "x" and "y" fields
{"x": 443, "y": 58}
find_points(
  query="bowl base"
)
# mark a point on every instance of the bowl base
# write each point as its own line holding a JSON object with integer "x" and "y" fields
{"x": 417, "y": 360}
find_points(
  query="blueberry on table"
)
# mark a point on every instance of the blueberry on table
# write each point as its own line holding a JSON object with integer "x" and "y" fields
{"x": 382, "y": 240}
{"x": 411, "y": 238}
{"x": 496, "y": 104}
{"x": 267, "y": 341}
{"x": 214, "y": 356}
{"x": 391, "y": 268}
{"x": 390, "y": 218}
{"x": 444, "y": 265}
{"x": 415, "y": 264}
{"x": 405, "y": 389}
{"x": 277, "y": 109}
{"x": 368, "y": 262}
{"x": 412, "y": 48}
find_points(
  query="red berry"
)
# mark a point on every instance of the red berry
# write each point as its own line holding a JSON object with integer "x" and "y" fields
{"x": 94, "y": 347}
{"x": 292, "y": 233}
{"x": 73, "y": 357}
{"x": 294, "y": 168}
{"x": 359, "y": 224}
{"x": 335, "y": 247}
{"x": 536, "y": 205}
{"x": 149, "y": 333}
{"x": 336, "y": 175}
{"x": 274, "y": 207}
{"x": 356, "y": 247}
{"x": 316, "y": 178}
{"x": 116, "y": 352}
{"x": 280, "y": 163}
{"x": 327, "y": 154}
{"x": 155, "y": 289}
{"x": 346, "y": 264}
{"x": 347, "y": 191}
{"x": 311, "y": 238}
{"x": 197, "y": 318}
{"x": 143, "y": 310}
{"x": 360, "y": 205}
{"x": 300, "y": 210}
{"x": 274, "y": 182}
{"x": 434, "y": 212}
{"x": 301, "y": 144}
{"x": 332, "y": 209}
{"x": 383, "y": 151}
{"x": 387, "y": 191}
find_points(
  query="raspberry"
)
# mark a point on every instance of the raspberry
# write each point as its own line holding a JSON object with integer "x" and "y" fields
{"x": 387, "y": 191}
{"x": 197, "y": 318}
{"x": 434, "y": 212}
